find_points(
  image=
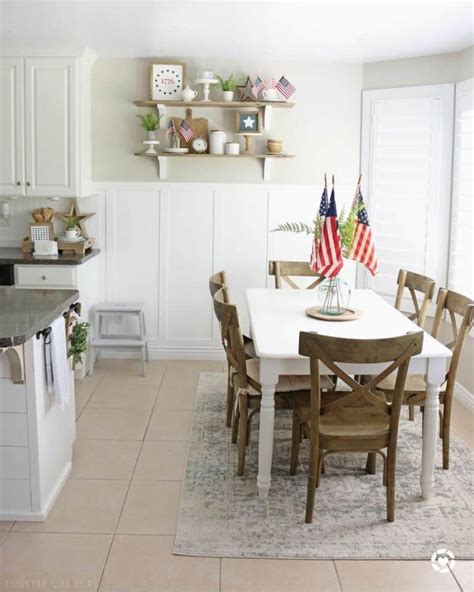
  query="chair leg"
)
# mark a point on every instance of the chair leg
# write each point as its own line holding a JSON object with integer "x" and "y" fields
{"x": 235, "y": 424}
{"x": 322, "y": 469}
{"x": 312, "y": 480}
{"x": 230, "y": 399}
{"x": 296, "y": 432}
{"x": 411, "y": 412}
{"x": 242, "y": 440}
{"x": 446, "y": 432}
{"x": 143, "y": 361}
{"x": 391, "y": 463}
{"x": 371, "y": 464}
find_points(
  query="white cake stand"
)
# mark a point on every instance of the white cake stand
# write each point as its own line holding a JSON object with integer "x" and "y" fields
{"x": 151, "y": 146}
{"x": 206, "y": 82}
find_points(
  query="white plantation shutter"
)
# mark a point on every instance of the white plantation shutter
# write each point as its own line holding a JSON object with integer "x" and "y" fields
{"x": 406, "y": 165}
{"x": 461, "y": 261}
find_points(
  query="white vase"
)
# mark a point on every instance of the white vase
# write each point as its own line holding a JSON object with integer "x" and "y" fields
{"x": 217, "y": 139}
{"x": 151, "y": 135}
{"x": 228, "y": 95}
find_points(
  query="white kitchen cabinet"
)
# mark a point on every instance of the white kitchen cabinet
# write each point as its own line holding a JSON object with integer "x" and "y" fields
{"x": 45, "y": 126}
{"x": 12, "y": 164}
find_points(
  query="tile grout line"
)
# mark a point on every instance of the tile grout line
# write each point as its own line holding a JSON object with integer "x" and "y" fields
{"x": 129, "y": 485}
{"x": 455, "y": 579}
{"x": 90, "y": 396}
{"x": 337, "y": 575}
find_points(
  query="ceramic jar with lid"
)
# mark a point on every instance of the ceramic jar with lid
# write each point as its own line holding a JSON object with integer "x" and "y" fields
{"x": 217, "y": 139}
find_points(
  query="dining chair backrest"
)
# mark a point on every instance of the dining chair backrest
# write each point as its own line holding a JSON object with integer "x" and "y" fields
{"x": 414, "y": 282}
{"x": 455, "y": 305}
{"x": 217, "y": 281}
{"x": 231, "y": 335}
{"x": 332, "y": 351}
{"x": 285, "y": 270}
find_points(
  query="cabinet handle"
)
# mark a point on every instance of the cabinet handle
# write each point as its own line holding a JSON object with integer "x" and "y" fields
{"x": 18, "y": 182}
{"x": 43, "y": 277}
{"x": 27, "y": 183}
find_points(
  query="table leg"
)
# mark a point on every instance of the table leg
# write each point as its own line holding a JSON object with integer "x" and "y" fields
{"x": 265, "y": 437}
{"x": 430, "y": 435}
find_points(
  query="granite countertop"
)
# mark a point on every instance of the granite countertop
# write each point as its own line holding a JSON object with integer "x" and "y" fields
{"x": 25, "y": 312}
{"x": 10, "y": 255}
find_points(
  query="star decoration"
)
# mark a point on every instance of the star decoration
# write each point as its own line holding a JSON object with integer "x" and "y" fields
{"x": 246, "y": 92}
{"x": 249, "y": 122}
{"x": 75, "y": 212}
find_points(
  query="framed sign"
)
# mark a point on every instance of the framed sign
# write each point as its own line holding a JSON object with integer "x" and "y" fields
{"x": 249, "y": 122}
{"x": 167, "y": 82}
{"x": 41, "y": 231}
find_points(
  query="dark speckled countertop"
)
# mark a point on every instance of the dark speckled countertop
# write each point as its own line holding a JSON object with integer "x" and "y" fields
{"x": 25, "y": 312}
{"x": 13, "y": 256}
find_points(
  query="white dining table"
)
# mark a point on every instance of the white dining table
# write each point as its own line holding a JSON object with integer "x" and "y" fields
{"x": 276, "y": 319}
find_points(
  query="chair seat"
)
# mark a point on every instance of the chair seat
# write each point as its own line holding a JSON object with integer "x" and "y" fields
{"x": 286, "y": 384}
{"x": 415, "y": 384}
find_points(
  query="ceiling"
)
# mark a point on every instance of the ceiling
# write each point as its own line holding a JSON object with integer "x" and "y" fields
{"x": 280, "y": 31}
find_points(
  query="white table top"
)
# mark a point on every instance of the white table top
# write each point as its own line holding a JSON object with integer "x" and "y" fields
{"x": 278, "y": 316}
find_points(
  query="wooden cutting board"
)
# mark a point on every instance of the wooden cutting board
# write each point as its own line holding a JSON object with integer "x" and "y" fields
{"x": 199, "y": 127}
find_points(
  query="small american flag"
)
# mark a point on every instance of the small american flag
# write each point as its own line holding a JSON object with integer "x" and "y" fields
{"x": 258, "y": 85}
{"x": 329, "y": 254}
{"x": 363, "y": 249}
{"x": 313, "y": 261}
{"x": 170, "y": 129}
{"x": 185, "y": 130}
{"x": 285, "y": 87}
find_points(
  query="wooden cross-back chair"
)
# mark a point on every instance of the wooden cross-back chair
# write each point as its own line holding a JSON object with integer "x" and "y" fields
{"x": 246, "y": 379}
{"x": 415, "y": 283}
{"x": 218, "y": 281}
{"x": 357, "y": 421}
{"x": 285, "y": 270}
{"x": 458, "y": 307}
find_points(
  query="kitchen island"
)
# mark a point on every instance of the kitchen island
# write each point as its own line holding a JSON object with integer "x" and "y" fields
{"x": 37, "y": 431}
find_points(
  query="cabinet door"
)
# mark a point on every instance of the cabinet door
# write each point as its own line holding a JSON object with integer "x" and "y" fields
{"x": 51, "y": 126}
{"x": 12, "y": 181}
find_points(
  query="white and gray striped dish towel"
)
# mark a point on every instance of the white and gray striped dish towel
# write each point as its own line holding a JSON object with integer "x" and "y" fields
{"x": 56, "y": 363}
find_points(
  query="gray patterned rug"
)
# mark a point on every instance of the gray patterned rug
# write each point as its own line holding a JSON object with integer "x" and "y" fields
{"x": 222, "y": 516}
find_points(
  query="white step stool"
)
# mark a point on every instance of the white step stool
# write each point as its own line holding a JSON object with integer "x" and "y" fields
{"x": 102, "y": 340}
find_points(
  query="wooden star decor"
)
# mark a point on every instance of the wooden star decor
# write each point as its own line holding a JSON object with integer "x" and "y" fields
{"x": 75, "y": 212}
{"x": 246, "y": 92}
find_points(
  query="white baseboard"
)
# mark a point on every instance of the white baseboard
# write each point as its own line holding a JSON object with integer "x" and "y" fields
{"x": 464, "y": 396}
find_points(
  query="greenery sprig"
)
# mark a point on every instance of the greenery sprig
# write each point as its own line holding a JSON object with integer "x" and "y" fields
{"x": 229, "y": 84}
{"x": 79, "y": 343}
{"x": 150, "y": 121}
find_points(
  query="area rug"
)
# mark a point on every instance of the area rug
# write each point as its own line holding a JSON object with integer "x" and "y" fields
{"x": 221, "y": 514}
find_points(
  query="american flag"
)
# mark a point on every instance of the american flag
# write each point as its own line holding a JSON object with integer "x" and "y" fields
{"x": 363, "y": 249}
{"x": 313, "y": 261}
{"x": 170, "y": 129}
{"x": 329, "y": 254}
{"x": 185, "y": 130}
{"x": 285, "y": 87}
{"x": 258, "y": 85}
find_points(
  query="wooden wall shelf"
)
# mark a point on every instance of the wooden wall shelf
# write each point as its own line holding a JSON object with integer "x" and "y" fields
{"x": 218, "y": 104}
{"x": 265, "y": 158}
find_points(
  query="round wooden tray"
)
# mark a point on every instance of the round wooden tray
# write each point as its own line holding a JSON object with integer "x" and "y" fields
{"x": 351, "y": 314}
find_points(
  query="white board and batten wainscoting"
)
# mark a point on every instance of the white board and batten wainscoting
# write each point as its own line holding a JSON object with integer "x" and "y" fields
{"x": 164, "y": 240}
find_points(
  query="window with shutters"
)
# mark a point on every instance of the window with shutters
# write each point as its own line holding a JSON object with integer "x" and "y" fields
{"x": 406, "y": 165}
{"x": 461, "y": 260}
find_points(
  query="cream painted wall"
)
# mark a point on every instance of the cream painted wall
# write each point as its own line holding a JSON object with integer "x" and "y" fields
{"x": 323, "y": 129}
{"x": 436, "y": 69}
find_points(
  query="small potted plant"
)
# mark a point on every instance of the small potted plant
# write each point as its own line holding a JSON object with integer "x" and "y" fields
{"x": 149, "y": 123}
{"x": 71, "y": 231}
{"x": 228, "y": 87}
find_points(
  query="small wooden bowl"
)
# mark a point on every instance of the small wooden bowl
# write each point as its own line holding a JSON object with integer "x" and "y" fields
{"x": 274, "y": 146}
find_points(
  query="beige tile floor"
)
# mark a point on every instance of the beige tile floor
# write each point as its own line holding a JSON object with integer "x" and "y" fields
{"x": 112, "y": 528}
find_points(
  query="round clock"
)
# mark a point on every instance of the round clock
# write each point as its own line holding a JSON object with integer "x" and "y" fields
{"x": 199, "y": 145}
